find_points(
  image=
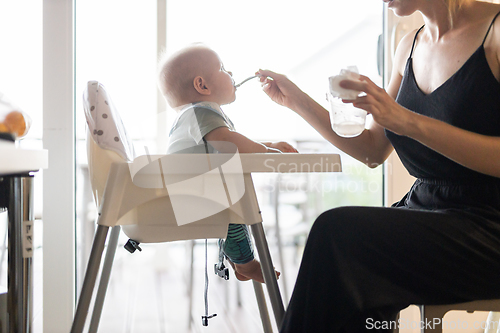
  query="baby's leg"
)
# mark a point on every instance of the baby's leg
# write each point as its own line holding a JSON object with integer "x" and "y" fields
{"x": 238, "y": 245}
{"x": 238, "y": 249}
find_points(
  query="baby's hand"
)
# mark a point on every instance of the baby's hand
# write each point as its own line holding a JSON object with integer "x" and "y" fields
{"x": 283, "y": 146}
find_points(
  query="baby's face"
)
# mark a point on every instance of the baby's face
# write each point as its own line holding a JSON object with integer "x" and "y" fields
{"x": 222, "y": 82}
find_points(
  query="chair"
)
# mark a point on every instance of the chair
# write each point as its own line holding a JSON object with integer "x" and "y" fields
{"x": 435, "y": 313}
{"x": 152, "y": 198}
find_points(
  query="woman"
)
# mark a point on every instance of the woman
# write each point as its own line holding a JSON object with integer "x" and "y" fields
{"x": 441, "y": 242}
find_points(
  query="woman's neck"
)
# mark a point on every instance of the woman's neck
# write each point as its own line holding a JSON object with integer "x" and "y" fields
{"x": 439, "y": 22}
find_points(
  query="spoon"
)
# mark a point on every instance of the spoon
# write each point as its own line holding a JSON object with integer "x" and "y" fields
{"x": 245, "y": 80}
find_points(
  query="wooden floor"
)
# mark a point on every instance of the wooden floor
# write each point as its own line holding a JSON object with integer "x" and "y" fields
{"x": 149, "y": 293}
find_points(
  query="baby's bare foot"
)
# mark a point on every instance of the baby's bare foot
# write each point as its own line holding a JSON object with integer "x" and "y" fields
{"x": 250, "y": 270}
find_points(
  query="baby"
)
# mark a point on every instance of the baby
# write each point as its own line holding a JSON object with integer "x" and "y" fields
{"x": 195, "y": 83}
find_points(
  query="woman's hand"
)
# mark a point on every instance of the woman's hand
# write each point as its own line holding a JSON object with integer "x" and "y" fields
{"x": 384, "y": 109}
{"x": 279, "y": 88}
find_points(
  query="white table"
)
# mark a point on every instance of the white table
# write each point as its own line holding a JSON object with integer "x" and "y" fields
{"x": 16, "y": 167}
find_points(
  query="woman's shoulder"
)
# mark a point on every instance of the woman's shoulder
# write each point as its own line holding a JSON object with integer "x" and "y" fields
{"x": 494, "y": 14}
{"x": 404, "y": 49}
{"x": 486, "y": 7}
{"x": 487, "y": 15}
{"x": 485, "y": 12}
{"x": 496, "y": 26}
{"x": 494, "y": 41}
{"x": 407, "y": 41}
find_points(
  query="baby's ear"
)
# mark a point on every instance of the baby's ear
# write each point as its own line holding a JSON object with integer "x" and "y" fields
{"x": 201, "y": 85}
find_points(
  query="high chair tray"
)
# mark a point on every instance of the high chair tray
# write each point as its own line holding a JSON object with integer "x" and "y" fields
{"x": 230, "y": 163}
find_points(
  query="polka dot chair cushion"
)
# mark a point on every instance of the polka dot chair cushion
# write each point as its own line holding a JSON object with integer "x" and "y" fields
{"x": 105, "y": 124}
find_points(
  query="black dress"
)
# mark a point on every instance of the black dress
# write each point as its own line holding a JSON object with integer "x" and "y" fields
{"x": 440, "y": 244}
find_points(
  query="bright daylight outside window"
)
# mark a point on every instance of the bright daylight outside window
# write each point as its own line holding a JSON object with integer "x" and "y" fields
{"x": 307, "y": 41}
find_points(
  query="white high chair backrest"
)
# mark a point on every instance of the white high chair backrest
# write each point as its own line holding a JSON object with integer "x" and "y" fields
{"x": 107, "y": 139}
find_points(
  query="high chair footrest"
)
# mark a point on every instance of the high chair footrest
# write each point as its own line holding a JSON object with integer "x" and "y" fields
{"x": 132, "y": 245}
{"x": 221, "y": 271}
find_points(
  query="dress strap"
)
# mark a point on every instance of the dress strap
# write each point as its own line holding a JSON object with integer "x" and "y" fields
{"x": 487, "y": 32}
{"x": 415, "y": 39}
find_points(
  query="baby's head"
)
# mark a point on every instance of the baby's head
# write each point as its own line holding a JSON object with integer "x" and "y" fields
{"x": 195, "y": 74}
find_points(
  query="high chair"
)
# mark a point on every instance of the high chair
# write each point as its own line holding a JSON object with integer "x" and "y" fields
{"x": 173, "y": 197}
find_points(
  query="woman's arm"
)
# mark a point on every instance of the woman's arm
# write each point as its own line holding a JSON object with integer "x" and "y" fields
{"x": 474, "y": 151}
{"x": 371, "y": 147}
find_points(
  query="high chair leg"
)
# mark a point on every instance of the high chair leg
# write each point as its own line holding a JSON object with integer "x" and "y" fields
{"x": 190, "y": 283}
{"x": 268, "y": 272}
{"x": 278, "y": 235}
{"x": 261, "y": 303}
{"x": 104, "y": 281}
{"x": 90, "y": 278}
